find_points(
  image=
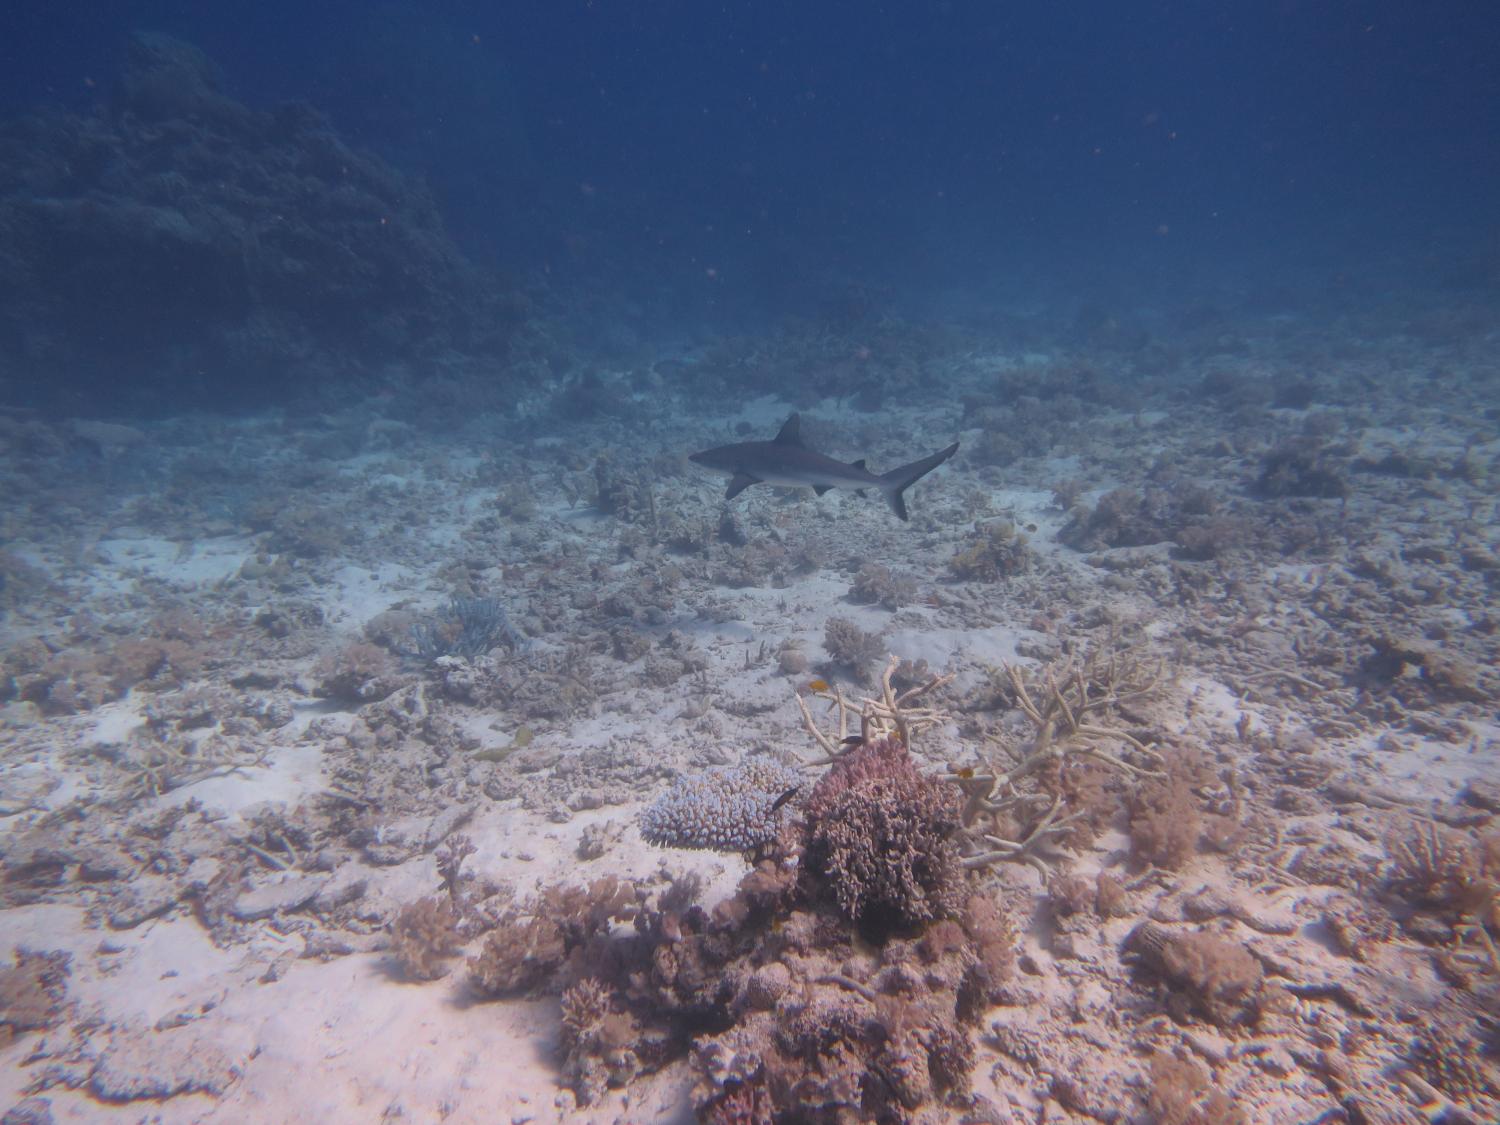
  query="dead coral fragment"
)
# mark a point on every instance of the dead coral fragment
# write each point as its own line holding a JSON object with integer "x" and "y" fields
{"x": 32, "y": 992}
{"x": 736, "y": 809}
{"x": 1008, "y": 813}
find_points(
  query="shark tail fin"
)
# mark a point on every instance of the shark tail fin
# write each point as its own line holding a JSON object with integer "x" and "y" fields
{"x": 897, "y": 481}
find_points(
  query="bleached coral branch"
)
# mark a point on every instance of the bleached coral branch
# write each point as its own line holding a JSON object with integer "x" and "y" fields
{"x": 891, "y": 713}
{"x": 1067, "y": 709}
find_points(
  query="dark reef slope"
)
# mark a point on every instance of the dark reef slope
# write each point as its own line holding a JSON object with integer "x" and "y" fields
{"x": 175, "y": 246}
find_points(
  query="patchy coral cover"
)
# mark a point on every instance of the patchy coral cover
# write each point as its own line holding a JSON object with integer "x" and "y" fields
{"x": 416, "y": 736}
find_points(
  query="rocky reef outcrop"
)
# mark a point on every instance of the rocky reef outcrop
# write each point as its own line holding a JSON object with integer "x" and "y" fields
{"x": 175, "y": 247}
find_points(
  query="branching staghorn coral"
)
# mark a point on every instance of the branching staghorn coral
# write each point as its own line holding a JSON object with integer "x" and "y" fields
{"x": 1068, "y": 708}
{"x": 892, "y": 713}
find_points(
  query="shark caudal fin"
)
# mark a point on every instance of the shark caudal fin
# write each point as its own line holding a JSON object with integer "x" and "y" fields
{"x": 899, "y": 480}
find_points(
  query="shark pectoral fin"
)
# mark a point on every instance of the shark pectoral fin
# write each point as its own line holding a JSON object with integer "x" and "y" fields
{"x": 738, "y": 483}
{"x": 822, "y": 488}
{"x": 860, "y": 464}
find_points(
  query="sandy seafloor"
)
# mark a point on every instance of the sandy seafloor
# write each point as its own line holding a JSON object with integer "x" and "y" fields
{"x": 219, "y": 784}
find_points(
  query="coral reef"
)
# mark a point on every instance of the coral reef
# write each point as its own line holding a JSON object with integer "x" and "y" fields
{"x": 876, "y": 584}
{"x": 357, "y": 673}
{"x": 424, "y": 935}
{"x": 603, "y": 1047}
{"x": 532, "y": 942}
{"x": 805, "y": 1035}
{"x": 1179, "y": 1092}
{"x": 1206, "y": 974}
{"x": 1165, "y": 818}
{"x": 1126, "y": 517}
{"x": 1301, "y": 466}
{"x": 850, "y": 647}
{"x": 785, "y": 1014}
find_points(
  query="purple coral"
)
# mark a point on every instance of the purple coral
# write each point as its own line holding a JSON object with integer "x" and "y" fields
{"x": 882, "y": 835}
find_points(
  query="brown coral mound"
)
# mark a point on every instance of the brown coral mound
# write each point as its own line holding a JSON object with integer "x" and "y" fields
{"x": 810, "y": 1045}
{"x": 1217, "y": 978}
{"x": 32, "y": 992}
{"x": 886, "y": 756}
{"x": 562, "y": 925}
{"x": 424, "y": 934}
{"x": 881, "y": 834}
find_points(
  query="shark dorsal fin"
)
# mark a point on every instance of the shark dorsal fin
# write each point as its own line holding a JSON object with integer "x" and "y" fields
{"x": 860, "y": 464}
{"x": 791, "y": 431}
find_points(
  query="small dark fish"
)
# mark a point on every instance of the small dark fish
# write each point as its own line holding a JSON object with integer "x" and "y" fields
{"x": 853, "y": 740}
{"x": 785, "y": 797}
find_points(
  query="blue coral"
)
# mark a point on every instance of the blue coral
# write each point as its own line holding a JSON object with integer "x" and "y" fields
{"x": 729, "y": 809}
{"x": 468, "y": 627}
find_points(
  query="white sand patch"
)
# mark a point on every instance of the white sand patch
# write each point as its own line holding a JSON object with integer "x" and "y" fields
{"x": 194, "y": 564}
{"x": 114, "y": 721}
{"x": 942, "y": 648}
{"x": 358, "y": 593}
{"x": 286, "y": 778}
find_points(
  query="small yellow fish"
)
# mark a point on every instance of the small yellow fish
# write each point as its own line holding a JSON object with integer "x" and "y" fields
{"x": 519, "y": 741}
{"x": 818, "y": 685}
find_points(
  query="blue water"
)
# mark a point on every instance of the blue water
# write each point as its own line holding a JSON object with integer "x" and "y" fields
{"x": 671, "y": 169}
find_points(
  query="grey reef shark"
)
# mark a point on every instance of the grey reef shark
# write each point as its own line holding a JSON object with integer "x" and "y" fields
{"x": 786, "y": 463}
